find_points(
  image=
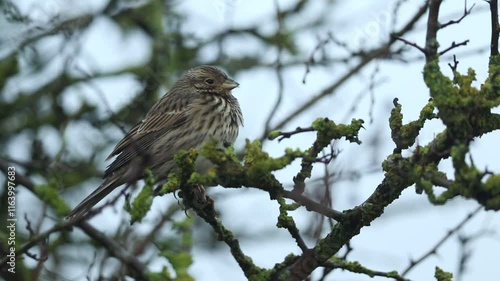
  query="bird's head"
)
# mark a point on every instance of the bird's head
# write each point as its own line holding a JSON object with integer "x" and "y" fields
{"x": 209, "y": 79}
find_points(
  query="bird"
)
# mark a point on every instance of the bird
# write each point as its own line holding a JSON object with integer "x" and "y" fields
{"x": 199, "y": 107}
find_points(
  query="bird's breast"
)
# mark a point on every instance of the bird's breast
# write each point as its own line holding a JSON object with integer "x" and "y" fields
{"x": 220, "y": 118}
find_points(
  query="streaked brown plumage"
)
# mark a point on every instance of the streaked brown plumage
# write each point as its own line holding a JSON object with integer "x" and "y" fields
{"x": 198, "y": 108}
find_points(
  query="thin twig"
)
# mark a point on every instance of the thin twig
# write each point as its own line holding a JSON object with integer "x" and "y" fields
{"x": 361, "y": 269}
{"x": 311, "y": 61}
{"x": 372, "y": 86}
{"x": 298, "y": 130}
{"x": 465, "y": 252}
{"x": 453, "y": 46}
{"x": 445, "y": 238}
{"x": 455, "y": 64}
{"x": 139, "y": 270}
{"x": 413, "y": 44}
{"x": 311, "y": 205}
{"x": 465, "y": 14}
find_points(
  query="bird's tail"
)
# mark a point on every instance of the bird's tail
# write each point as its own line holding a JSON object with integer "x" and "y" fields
{"x": 102, "y": 191}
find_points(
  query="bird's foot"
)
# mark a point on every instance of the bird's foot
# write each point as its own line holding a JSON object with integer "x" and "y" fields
{"x": 197, "y": 199}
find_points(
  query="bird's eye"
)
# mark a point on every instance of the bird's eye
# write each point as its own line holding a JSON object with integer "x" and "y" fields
{"x": 209, "y": 81}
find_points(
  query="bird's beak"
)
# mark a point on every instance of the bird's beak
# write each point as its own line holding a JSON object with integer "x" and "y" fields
{"x": 230, "y": 84}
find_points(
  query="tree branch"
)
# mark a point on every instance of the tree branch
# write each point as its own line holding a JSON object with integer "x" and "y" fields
{"x": 311, "y": 205}
{"x": 431, "y": 44}
{"x": 139, "y": 270}
{"x": 413, "y": 44}
{"x": 204, "y": 208}
{"x": 397, "y": 178}
{"x": 357, "y": 268}
{"x": 114, "y": 248}
{"x": 495, "y": 28}
{"x": 453, "y": 46}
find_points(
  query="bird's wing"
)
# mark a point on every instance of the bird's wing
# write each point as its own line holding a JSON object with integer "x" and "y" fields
{"x": 167, "y": 115}
{"x": 125, "y": 141}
